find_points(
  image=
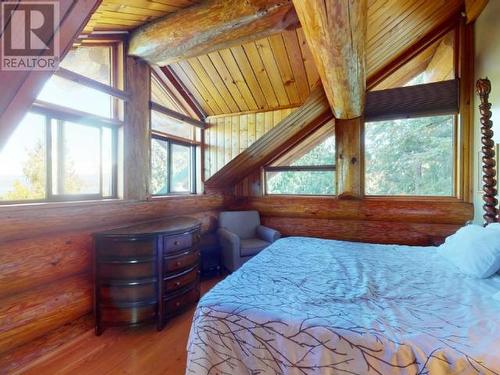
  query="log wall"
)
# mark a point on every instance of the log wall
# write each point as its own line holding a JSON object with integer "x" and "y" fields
{"x": 45, "y": 263}
{"x": 411, "y": 221}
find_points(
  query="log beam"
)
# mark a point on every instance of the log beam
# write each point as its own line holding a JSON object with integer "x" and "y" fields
{"x": 210, "y": 26}
{"x": 336, "y": 33}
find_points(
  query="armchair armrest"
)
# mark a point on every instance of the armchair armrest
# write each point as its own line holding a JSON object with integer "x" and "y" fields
{"x": 230, "y": 243}
{"x": 268, "y": 234}
{"x": 228, "y": 239}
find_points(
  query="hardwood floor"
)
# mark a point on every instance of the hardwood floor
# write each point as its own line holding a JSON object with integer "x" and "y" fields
{"x": 140, "y": 350}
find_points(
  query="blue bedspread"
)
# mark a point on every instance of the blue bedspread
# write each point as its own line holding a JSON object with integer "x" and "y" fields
{"x": 312, "y": 306}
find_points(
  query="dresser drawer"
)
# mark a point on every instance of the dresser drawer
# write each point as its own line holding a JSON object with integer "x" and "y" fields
{"x": 178, "y": 303}
{"x": 176, "y": 243}
{"x": 127, "y": 269}
{"x": 179, "y": 281}
{"x": 181, "y": 261}
{"x": 128, "y": 315}
{"x": 131, "y": 247}
{"x": 145, "y": 291}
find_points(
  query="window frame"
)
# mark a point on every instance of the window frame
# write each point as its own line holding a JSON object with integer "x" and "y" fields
{"x": 61, "y": 114}
{"x": 298, "y": 168}
{"x": 456, "y": 144}
{"x": 302, "y": 168}
{"x": 169, "y": 140}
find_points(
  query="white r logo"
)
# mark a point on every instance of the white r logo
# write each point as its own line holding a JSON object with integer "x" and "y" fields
{"x": 36, "y": 21}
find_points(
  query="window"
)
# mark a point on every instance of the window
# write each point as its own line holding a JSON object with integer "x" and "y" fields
{"x": 410, "y": 156}
{"x": 308, "y": 169}
{"x": 175, "y": 147}
{"x": 435, "y": 63}
{"x": 57, "y": 153}
{"x": 173, "y": 167}
{"x": 23, "y": 166}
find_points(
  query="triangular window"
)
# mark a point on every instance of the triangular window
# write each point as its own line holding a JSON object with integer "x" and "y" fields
{"x": 306, "y": 169}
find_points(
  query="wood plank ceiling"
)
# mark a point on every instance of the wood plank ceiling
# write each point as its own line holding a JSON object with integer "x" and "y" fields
{"x": 275, "y": 72}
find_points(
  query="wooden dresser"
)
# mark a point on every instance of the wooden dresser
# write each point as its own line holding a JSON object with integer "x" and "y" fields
{"x": 146, "y": 272}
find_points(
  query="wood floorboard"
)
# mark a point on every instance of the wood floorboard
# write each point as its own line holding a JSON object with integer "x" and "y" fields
{"x": 133, "y": 351}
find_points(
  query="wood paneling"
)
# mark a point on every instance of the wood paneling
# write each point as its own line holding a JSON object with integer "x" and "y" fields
{"x": 124, "y": 15}
{"x": 243, "y": 130}
{"x": 379, "y": 220}
{"x": 412, "y": 50}
{"x": 314, "y": 113}
{"x": 209, "y": 26}
{"x": 336, "y": 33}
{"x": 283, "y": 67}
{"x": 257, "y": 76}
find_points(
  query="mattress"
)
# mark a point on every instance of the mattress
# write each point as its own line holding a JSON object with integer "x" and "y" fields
{"x": 313, "y": 306}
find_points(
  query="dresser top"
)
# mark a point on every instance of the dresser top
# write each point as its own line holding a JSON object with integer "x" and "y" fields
{"x": 174, "y": 225}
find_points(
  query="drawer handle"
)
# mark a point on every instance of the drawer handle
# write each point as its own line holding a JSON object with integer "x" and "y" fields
{"x": 177, "y": 304}
{"x": 177, "y": 243}
{"x": 177, "y": 283}
{"x": 178, "y": 264}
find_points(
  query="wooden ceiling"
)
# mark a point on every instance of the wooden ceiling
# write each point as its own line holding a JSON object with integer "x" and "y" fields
{"x": 126, "y": 15}
{"x": 278, "y": 71}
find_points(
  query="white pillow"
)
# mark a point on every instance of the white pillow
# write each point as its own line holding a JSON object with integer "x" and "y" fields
{"x": 493, "y": 226}
{"x": 474, "y": 250}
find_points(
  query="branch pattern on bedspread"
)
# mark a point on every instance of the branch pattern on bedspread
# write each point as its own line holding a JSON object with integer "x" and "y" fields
{"x": 309, "y": 306}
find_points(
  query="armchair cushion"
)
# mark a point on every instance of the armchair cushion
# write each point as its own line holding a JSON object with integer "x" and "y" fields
{"x": 252, "y": 246}
{"x": 268, "y": 234}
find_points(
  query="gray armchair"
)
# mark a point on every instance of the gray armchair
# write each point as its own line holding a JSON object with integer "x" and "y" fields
{"x": 241, "y": 237}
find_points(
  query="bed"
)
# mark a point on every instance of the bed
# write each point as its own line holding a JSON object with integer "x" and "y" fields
{"x": 313, "y": 306}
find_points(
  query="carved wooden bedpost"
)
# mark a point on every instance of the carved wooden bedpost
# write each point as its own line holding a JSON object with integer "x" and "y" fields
{"x": 483, "y": 88}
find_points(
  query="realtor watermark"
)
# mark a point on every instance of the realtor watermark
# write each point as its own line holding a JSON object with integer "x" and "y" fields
{"x": 31, "y": 35}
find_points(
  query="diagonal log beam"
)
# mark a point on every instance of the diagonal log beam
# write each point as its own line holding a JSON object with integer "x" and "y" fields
{"x": 314, "y": 113}
{"x": 209, "y": 26}
{"x": 335, "y": 31}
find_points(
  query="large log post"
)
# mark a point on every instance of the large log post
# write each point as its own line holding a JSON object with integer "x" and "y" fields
{"x": 483, "y": 88}
{"x": 348, "y": 141}
{"x": 137, "y": 131}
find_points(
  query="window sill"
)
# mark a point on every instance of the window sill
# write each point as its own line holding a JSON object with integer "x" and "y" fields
{"x": 57, "y": 204}
{"x": 175, "y": 196}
